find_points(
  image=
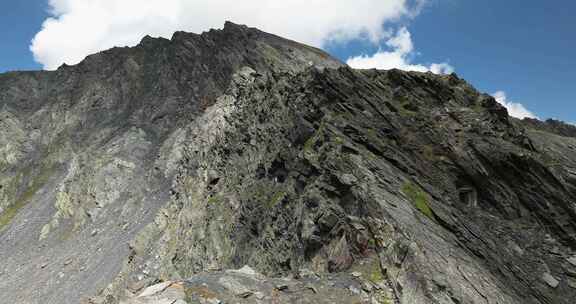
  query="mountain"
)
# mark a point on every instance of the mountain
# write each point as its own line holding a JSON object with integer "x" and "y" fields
{"x": 236, "y": 166}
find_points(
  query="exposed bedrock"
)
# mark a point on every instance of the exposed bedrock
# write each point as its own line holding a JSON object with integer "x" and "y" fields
{"x": 235, "y": 166}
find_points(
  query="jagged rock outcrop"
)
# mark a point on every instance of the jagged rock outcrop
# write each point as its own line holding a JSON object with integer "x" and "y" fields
{"x": 551, "y": 126}
{"x": 175, "y": 161}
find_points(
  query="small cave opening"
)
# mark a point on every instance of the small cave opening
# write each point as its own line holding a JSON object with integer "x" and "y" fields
{"x": 466, "y": 190}
{"x": 260, "y": 172}
{"x": 213, "y": 182}
{"x": 278, "y": 171}
{"x": 468, "y": 196}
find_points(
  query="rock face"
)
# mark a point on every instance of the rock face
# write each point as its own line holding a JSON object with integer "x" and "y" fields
{"x": 144, "y": 175}
{"x": 551, "y": 126}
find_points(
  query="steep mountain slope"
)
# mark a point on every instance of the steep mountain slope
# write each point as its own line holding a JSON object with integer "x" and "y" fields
{"x": 179, "y": 159}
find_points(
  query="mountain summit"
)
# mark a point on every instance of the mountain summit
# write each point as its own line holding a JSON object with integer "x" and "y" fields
{"x": 236, "y": 166}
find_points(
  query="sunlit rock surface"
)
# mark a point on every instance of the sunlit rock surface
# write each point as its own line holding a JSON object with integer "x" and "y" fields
{"x": 149, "y": 174}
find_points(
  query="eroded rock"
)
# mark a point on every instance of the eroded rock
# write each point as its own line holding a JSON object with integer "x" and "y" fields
{"x": 205, "y": 153}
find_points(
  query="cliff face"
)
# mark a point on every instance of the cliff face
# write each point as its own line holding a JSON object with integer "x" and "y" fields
{"x": 178, "y": 160}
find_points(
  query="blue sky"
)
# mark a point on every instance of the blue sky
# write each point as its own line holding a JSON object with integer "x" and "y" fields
{"x": 19, "y": 21}
{"x": 524, "y": 48}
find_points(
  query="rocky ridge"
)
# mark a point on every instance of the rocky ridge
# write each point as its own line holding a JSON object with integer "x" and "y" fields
{"x": 144, "y": 175}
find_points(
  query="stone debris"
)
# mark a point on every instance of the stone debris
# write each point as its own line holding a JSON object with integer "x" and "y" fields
{"x": 162, "y": 293}
{"x": 241, "y": 287}
{"x": 156, "y": 289}
{"x": 550, "y": 280}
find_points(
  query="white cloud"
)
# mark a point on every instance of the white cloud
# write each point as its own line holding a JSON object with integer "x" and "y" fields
{"x": 399, "y": 57}
{"x": 78, "y": 28}
{"x": 514, "y": 109}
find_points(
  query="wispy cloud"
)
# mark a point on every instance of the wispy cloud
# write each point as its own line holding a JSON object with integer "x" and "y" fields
{"x": 514, "y": 109}
{"x": 78, "y": 28}
{"x": 399, "y": 56}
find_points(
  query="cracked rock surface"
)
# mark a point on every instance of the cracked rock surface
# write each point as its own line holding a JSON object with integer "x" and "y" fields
{"x": 235, "y": 166}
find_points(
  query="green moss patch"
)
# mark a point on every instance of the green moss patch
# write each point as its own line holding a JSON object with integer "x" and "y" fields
{"x": 10, "y": 212}
{"x": 214, "y": 199}
{"x": 429, "y": 153}
{"x": 406, "y": 108}
{"x": 372, "y": 271}
{"x": 36, "y": 183}
{"x": 419, "y": 198}
{"x": 264, "y": 194}
{"x": 276, "y": 199}
{"x": 311, "y": 142}
{"x": 375, "y": 275}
